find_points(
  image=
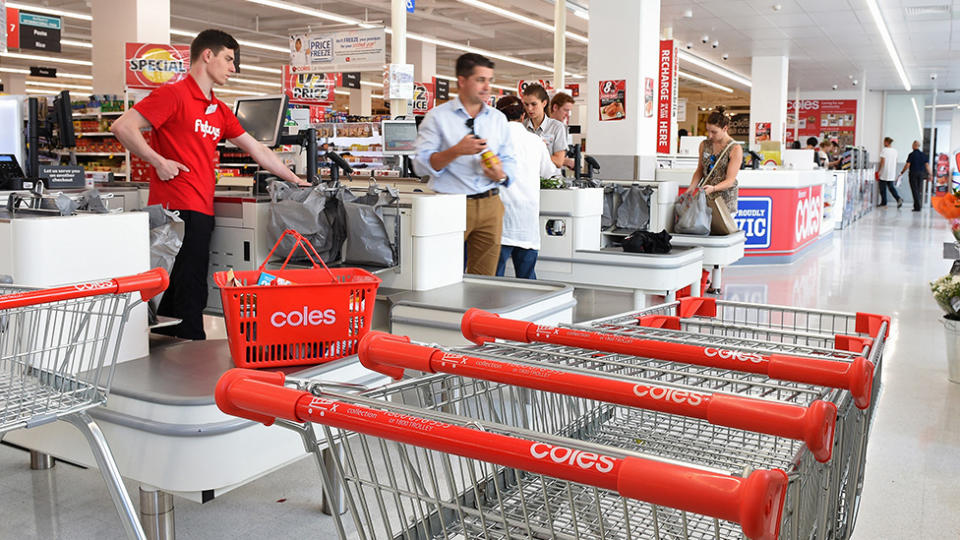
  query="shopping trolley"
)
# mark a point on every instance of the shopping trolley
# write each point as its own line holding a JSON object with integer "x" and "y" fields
{"x": 58, "y": 351}
{"x": 772, "y": 329}
{"x": 451, "y": 467}
{"x": 816, "y": 345}
{"x": 854, "y": 374}
{"x": 814, "y": 508}
{"x": 813, "y": 424}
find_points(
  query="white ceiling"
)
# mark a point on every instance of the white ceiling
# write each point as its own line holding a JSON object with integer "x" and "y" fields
{"x": 828, "y": 41}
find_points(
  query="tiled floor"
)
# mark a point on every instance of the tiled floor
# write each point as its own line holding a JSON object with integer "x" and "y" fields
{"x": 881, "y": 264}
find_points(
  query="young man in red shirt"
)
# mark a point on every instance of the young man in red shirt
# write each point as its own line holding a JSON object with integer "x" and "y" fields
{"x": 188, "y": 121}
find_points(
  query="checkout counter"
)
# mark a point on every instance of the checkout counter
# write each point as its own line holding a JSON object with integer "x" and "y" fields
{"x": 161, "y": 422}
{"x": 573, "y": 249}
{"x": 780, "y": 212}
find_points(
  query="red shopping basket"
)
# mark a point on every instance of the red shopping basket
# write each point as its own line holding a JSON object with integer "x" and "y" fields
{"x": 320, "y": 317}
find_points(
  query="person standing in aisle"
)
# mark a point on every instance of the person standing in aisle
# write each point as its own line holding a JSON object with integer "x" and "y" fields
{"x": 464, "y": 146}
{"x": 720, "y": 160}
{"x": 521, "y": 201}
{"x": 919, "y": 164}
{"x": 553, "y": 132}
{"x": 561, "y": 106}
{"x": 812, "y": 145}
{"x": 887, "y": 173}
{"x": 188, "y": 121}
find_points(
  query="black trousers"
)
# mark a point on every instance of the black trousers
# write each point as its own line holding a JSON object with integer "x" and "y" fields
{"x": 916, "y": 188}
{"x": 186, "y": 297}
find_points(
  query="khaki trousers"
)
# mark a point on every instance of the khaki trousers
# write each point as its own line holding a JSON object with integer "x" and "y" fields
{"x": 482, "y": 237}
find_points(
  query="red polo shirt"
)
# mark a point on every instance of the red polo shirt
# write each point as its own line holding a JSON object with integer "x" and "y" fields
{"x": 187, "y": 127}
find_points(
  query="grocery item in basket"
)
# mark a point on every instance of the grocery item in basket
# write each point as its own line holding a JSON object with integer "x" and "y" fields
{"x": 270, "y": 279}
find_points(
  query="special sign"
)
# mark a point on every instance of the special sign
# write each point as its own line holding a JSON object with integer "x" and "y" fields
{"x": 309, "y": 88}
{"x": 149, "y": 65}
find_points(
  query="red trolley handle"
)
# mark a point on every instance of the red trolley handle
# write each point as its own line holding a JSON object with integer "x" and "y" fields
{"x": 148, "y": 284}
{"x": 857, "y": 376}
{"x": 307, "y": 248}
{"x": 814, "y": 425}
{"x": 756, "y": 502}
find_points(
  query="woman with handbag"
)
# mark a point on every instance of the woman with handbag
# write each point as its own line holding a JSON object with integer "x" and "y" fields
{"x": 720, "y": 160}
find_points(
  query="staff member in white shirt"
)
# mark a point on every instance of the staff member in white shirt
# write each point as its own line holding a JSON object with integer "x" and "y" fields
{"x": 521, "y": 201}
{"x": 887, "y": 173}
{"x": 552, "y": 132}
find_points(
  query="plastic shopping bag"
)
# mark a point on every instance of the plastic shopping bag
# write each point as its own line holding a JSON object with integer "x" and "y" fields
{"x": 634, "y": 210}
{"x": 368, "y": 242}
{"x": 166, "y": 237}
{"x": 691, "y": 214}
{"x": 315, "y": 212}
{"x": 609, "y": 206}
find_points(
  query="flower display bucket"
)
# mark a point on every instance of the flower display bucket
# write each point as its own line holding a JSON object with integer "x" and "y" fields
{"x": 952, "y": 331}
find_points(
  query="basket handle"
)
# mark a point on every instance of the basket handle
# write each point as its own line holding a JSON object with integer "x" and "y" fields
{"x": 480, "y": 326}
{"x": 148, "y": 284}
{"x": 307, "y": 248}
{"x": 756, "y": 502}
{"x": 814, "y": 425}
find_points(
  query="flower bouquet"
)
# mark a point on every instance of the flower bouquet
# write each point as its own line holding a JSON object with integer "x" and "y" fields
{"x": 948, "y": 206}
{"x": 946, "y": 291}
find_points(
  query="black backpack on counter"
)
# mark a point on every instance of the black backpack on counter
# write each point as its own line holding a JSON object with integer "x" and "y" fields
{"x": 647, "y": 242}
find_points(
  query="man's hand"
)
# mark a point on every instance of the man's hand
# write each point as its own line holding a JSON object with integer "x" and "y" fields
{"x": 569, "y": 163}
{"x": 167, "y": 169}
{"x": 494, "y": 173}
{"x": 469, "y": 146}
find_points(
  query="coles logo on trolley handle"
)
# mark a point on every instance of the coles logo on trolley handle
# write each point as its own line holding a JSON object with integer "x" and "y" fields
{"x": 560, "y": 454}
{"x": 669, "y": 394}
{"x": 94, "y": 285}
{"x": 736, "y": 355}
{"x": 304, "y": 317}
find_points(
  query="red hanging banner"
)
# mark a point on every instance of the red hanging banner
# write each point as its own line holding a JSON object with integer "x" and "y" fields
{"x": 666, "y": 96}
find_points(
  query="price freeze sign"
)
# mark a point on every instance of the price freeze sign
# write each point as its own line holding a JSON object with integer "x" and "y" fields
{"x": 309, "y": 88}
{"x": 149, "y": 65}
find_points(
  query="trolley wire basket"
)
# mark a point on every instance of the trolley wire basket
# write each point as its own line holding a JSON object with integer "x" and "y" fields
{"x": 817, "y": 498}
{"x": 460, "y": 465}
{"x": 58, "y": 351}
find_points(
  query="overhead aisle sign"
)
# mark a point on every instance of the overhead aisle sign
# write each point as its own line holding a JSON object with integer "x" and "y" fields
{"x": 39, "y": 32}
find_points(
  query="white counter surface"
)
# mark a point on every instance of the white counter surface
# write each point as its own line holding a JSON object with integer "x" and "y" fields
{"x": 750, "y": 178}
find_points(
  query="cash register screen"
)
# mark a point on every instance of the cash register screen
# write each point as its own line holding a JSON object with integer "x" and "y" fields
{"x": 262, "y": 117}
{"x": 399, "y": 136}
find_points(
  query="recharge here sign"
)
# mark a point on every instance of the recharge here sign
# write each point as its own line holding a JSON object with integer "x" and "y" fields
{"x": 779, "y": 222}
